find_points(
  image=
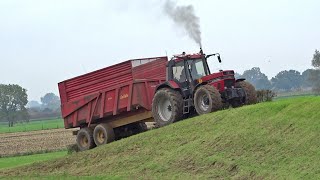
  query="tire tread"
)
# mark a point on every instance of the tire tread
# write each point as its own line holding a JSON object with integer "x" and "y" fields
{"x": 177, "y": 103}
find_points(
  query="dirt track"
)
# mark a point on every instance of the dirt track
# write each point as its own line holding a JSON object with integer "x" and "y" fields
{"x": 35, "y": 141}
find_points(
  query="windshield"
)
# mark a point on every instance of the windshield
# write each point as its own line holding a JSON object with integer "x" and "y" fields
{"x": 197, "y": 68}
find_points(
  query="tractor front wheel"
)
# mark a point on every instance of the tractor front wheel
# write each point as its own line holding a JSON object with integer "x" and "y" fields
{"x": 167, "y": 107}
{"x": 251, "y": 94}
{"x": 207, "y": 99}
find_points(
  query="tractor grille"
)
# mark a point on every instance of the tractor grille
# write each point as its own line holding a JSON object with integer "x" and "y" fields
{"x": 228, "y": 83}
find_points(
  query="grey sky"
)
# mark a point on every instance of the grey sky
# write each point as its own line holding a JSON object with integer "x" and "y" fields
{"x": 45, "y": 42}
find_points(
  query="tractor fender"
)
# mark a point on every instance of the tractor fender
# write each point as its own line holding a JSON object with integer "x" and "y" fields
{"x": 241, "y": 79}
{"x": 168, "y": 84}
{"x": 198, "y": 85}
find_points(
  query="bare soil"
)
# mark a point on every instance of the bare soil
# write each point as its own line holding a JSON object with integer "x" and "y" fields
{"x": 35, "y": 141}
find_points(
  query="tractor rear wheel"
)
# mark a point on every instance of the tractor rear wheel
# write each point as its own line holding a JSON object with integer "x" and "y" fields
{"x": 103, "y": 134}
{"x": 207, "y": 99}
{"x": 167, "y": 106}
{"x": 250, "y": 90}
{"x": 85, "y": 139}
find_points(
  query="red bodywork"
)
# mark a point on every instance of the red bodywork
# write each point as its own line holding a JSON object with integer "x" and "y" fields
{"x": 111, "y": 93}
{"x": 220, "y": 80}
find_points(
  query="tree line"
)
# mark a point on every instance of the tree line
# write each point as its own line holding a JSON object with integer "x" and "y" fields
{"x": 49, "y": 107}
{"x": 14, "y": 105}
{"x": 287, "y": 80}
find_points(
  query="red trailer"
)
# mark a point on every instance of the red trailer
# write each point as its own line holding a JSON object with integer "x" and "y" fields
{"x": 111, "y": 100}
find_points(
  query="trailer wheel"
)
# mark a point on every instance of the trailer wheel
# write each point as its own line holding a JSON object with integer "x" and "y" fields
{"x": 103, "y": 134}
{"x": 138, "y": 127}
{"x": 142, "y": 127}
{"x": 207, "y": 99}
{"x": 85, "y": 139}
{"x": 167, "y": 107}
{"x": 251, "y": 94}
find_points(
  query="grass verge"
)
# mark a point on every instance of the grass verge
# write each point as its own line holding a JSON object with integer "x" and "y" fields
{"x": 10, "y": 162}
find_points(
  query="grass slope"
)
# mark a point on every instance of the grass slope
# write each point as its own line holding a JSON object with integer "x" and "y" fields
{"x": 273, "y": 140}
{"x": 32, "y": 125}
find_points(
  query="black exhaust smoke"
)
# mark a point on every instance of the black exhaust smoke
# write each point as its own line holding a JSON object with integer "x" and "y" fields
{"x": 184, "y": 16}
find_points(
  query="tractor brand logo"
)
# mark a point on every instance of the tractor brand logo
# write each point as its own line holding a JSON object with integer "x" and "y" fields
{"x": 124, "y": 96}
{"x": 109, "y": 98}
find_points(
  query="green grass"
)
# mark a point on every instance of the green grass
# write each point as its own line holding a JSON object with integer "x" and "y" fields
{"x": 274, "y": 140}
{"x": 284, "y": 95}
{"x": 32, "y": 125}
{"x": 10, "y": 162}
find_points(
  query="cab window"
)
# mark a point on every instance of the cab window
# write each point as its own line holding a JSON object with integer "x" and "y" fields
{"x": 179, "y": 72}
{"x": 196, "y": 68}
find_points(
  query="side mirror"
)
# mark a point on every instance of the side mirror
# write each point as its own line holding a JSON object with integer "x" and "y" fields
{"x": 219, "y": 58}
{"x": 217, "y": 54}
{"x": 207, "y": 56}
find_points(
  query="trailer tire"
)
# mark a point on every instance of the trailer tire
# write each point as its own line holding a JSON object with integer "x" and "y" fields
{"x": 250, "y": 90}
{"x": 138, "y": 127}
{"x": 103, "y": 134}
{"x": 207, "y": 99}
{"x": 85, "y": 139}
{"x": 167, "y": 107}
{"x": 142, "y": 127}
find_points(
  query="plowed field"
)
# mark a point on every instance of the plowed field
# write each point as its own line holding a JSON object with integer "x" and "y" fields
{"x": 35, "y": 141}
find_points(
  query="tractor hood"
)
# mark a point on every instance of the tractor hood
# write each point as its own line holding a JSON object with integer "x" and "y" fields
{"x": 222, "y": 75}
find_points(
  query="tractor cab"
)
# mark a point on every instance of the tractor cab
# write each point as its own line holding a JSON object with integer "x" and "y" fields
{"x": 191, "y": 70}
{"x": 187, "y": 70}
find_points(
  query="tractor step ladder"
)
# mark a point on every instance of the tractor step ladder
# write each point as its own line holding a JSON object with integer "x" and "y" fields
{"x": 186, "y": 106}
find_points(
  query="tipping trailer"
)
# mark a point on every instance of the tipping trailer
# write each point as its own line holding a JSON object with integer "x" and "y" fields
{"x": 111, "y": 102}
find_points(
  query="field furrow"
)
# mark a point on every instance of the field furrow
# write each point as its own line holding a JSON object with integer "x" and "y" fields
{"x": 35, "y": 141}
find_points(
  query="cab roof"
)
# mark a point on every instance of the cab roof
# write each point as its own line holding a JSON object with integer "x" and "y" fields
{"x": 183, "y": 56}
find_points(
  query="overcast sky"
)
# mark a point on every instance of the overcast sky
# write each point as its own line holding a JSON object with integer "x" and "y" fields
{"x": 43, "y": 42}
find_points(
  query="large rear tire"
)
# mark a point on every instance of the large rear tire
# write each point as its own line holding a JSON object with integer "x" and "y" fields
{"x": 207, "y": 99}
{"x": 103, "y": 134}
{"x": 85, "y": 139}
{"x": 167, "y": 106}
{"x": 250, "y": 90}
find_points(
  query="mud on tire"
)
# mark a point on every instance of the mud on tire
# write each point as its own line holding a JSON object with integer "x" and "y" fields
{"x": 167, "y": 107}
{"x": 85, "y": 139}
{"x": 251, "y": 94}
{"x": 207, "y": 99}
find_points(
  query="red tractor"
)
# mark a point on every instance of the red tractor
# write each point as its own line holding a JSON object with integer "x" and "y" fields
{"x": 190, "y": 87}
